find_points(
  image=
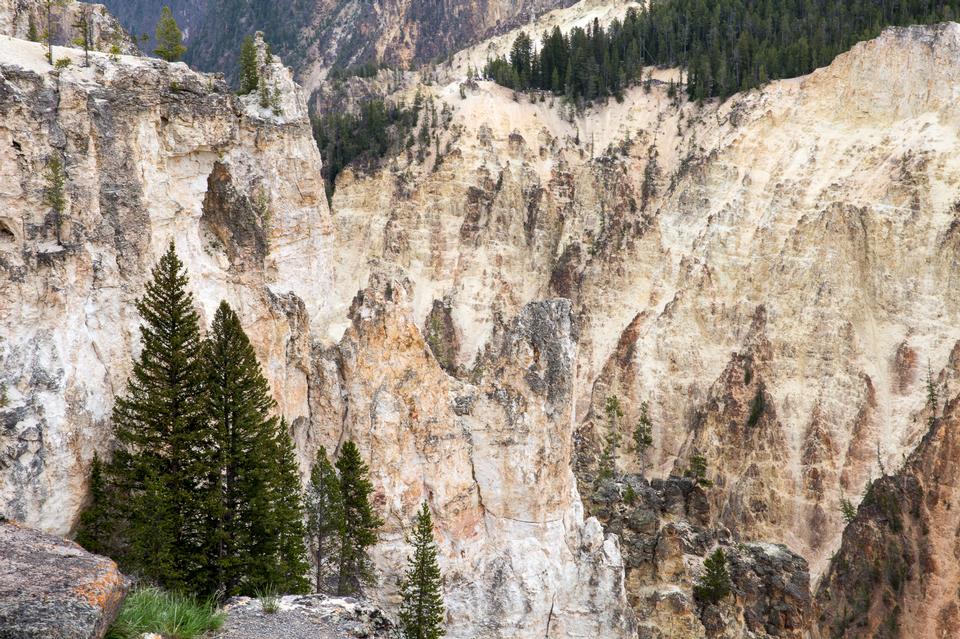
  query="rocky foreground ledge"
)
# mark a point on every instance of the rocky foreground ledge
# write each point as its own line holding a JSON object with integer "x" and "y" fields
{"x": 304, "y": 617}
{"x": 51, "y": 588}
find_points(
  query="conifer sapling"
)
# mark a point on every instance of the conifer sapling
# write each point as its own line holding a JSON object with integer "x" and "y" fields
{"x": 169, "y": 37}
{"x": 422, "y": 611}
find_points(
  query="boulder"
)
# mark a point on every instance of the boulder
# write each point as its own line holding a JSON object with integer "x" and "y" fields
{"x": 51, "y": 588}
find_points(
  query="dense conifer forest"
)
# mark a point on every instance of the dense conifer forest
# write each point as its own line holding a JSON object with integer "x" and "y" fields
{"x": 725, "y": 46}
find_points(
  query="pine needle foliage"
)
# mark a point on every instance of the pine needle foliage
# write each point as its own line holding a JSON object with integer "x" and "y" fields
{"x": 169, "y": 37}
{"x": 422, "y": 610}
{"x": 697, "y": 471}
{"x": 249, "y": 74}
{"x": 714, "y": 585}
{"x": 324, "y": 505}
{"x": 360, "y": 522}
{"x": 96, "y": 520}
{"x": 256, "y": 531}
{"x": 159, "y": 423}
{"x": 643, "y": 436}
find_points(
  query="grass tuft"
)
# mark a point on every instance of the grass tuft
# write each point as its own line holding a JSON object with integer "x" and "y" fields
{"x": 269, "y": 600}
{"x": 171, "y": 615}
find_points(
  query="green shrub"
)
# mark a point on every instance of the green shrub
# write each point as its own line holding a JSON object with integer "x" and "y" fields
{"x": 171, "y": 615}
{"x": 62, "y": 63}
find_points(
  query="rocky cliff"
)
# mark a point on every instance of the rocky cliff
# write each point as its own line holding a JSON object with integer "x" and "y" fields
{"x": 895, "y": 573}
{"x": 151, "y": 152}
{"x": 771, "y": 273}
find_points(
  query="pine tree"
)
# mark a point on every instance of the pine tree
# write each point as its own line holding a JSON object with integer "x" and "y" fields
{"x": 697, "y": 470}
{"x": 360, "y": 523}
{"x": 96, "y": 521}
{"x": 159, "y": 428}
{"x": 254, "y": 507}
{"x": 847, "y": 510}
{"x": 32, "y": 34}
{"x": 421, "y": 612}
{"x": 324, "y": 518}
{"x": 85, "y": 39}
{"x": 608, "y": 457}
{"x": 169, "y": 37}
{"x": 291, "y": 566}
{"x": 264, "y": 93}
{"x": 55, "y": 195}
{"x": 249, "y": 74}
{"x": 643, "y": 436}
{"x": 714, "y": 585}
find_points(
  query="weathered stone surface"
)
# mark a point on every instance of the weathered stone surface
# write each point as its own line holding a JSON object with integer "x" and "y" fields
{"x": 152, "y": 152}
{"x": 665, "y": 532}
{"x": 305, "y": 617}
{"x": 491, "y": 456}
{"x": 789, "y": 243}
{"x": 895, "y": 575}
{"x": 17, "y": 16}
{"x": 50, "y": 588}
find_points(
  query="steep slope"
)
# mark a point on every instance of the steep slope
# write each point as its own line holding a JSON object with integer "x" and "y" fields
{"x": 315, "y": 35}
{"x": 896, "y": 572}
{"x": 492, "y": 457}
{"x": 769, "y": 273}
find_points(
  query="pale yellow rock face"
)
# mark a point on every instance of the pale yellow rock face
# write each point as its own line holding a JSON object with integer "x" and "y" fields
{"x": 806, "y": 227}
{"x": 492, "y": 458}
{"x": 138, "y": 140}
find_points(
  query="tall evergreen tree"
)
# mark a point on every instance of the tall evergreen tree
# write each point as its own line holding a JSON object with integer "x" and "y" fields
{"x": 249, "y": 74}
{"x": 254, "y": 505}
{"x": 714, "y": 585}
{"x": 360, "y": 522}
{"x": 421, "y": 612}
{"x": 159, "y": 426}
{"x": 291, "y": 566}
{"x": 324, "y": 519}
{"x": 643, "y": 436}
{"x": 48, "y": 5}
{"x": 169, "y": 37}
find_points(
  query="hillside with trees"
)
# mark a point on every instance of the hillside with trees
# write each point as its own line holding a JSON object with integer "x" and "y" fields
{"x": 725, "y": 46}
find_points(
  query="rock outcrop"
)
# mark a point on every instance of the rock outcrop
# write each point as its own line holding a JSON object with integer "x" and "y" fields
{"x": 50, "y": 587}
{"x": 665, "y": 532}
{"x": 491, "y": 456}
{"x": 303, "y": 617}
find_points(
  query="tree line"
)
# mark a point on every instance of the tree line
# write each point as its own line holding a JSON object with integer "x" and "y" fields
{"x": 725, "y": 46}
{"x": 202, "y": 493}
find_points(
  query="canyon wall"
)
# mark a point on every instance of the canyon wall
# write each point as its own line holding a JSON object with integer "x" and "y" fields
{"x": 153, "y": 153}
{"x": 772, "y": 274}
